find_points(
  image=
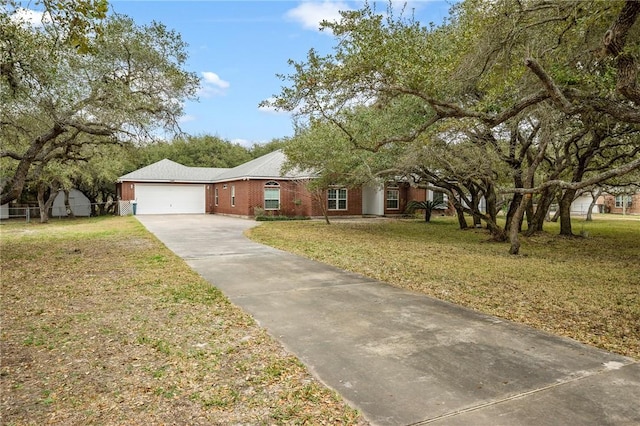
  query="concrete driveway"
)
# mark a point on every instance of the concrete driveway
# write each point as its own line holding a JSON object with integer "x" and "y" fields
{"x": 403, "y": 358}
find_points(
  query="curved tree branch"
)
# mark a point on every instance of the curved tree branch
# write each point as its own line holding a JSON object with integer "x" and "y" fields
{"x": 615, "y": 40}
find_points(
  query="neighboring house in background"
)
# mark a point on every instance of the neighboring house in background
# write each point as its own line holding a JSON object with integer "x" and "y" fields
{"x": 79, "y": 203}
{"x": 167, "y": 187}
{"x": 619, "y": 204}
{"x": 580, "y": 206}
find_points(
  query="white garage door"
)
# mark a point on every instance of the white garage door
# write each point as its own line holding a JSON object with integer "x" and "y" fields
{"x": 169, "y": 199}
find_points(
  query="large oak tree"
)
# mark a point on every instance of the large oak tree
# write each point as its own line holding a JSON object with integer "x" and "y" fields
{"x": 551, "y": 88}
{"x": 124, "y": 88}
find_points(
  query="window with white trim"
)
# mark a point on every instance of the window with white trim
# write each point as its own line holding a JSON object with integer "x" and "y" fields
{"x": 233, "y": 195}
{"x": 620, "y": 199}
{"x": 439, "y": 198}
{"x": 393, "y": 198}
{"x": 272, "y": 195}
{"x": 337, "y": 199}
{"x": 216, "y": 196}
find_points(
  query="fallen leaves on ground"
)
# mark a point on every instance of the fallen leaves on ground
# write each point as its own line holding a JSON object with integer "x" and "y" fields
{"x": 101, "y": 324}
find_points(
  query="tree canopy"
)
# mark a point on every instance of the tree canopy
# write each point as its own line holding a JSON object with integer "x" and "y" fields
{"x": 57, "y": 99}
{"x": 519, "y": 102}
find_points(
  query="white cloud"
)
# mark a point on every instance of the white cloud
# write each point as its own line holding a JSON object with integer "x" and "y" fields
{"x": 310, "y": 14}
{"x": 30, "y": 17}
{"x": 186, "y": 118}
{"x": 269, "y": 108}
{"x": 243, "y": 142}
{"x": 213, "y": 78}
{"x": 212, "y": 85}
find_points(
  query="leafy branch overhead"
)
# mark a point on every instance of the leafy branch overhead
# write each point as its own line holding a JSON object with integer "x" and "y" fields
{"x": 127, "y": 84}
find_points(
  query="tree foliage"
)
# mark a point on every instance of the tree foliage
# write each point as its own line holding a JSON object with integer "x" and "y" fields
{"x": 528, "y": 99}
{"x": 71, "y": 22}
{"x": 196, "y": 151}
{"x": 57, "y": 99}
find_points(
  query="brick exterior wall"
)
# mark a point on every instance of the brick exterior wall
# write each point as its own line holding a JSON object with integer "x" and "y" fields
{"x": 126, "y": 191}
{"x": 239, "y": 205}
{"x": 610, "y": 204}
{"x": 406, "y": 194}
{"x": 295, "y": 199}
{"x": 354, "y": 204}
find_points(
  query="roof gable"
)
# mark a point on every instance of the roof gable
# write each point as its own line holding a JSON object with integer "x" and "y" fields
{"x": 269, "y": 166}
{"x": 169, "y": 171}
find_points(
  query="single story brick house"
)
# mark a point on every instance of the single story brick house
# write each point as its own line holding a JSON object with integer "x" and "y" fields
{"x": 167, "y": 187}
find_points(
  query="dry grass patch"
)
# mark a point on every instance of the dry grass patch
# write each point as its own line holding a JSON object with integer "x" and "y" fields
{"x": 586, "y": 288}
{"x": 101, "y": 324}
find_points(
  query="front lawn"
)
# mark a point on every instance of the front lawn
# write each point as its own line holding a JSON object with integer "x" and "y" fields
{"x": 586, "y": 288}
{"x": 101, "y": 324}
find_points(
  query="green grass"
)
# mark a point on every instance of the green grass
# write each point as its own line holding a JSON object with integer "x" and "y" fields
{"x": 101, "y": 324}
{"x": 586, "y": 288}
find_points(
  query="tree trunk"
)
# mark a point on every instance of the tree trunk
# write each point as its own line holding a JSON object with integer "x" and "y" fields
{"x": 514, "y": 231}
{"x": 565, "y": 212}
{"x": 475, "y": 208}
{"x": 497, "y": 233}
{"x": 45, "y": 205}
{"x": 462, "y": 222}
{"x": 544, "y": 203}
{"x": 93, "y": 204}
{"x": 68, "y": 206}
{"x": 427, "y": 215}
{"x": 13, "y": 188}
{"x": 490, "y": 198}
{"x": 594, "y": 200}
{"x": 529, "y": 213}
{"x": 321, "y": 198}
{"x": 513, "y": 206}
{"x": 515, "y": 200}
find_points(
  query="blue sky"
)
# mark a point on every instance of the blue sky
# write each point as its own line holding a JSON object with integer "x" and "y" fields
{"x": 238, "y": 47}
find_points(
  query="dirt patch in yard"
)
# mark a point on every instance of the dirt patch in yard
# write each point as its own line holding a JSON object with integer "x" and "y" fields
{"x": 101, "y": 324}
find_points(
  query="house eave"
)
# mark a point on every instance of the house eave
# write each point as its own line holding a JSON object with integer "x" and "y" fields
{"x": 244, "y": 178}
{"x": 182, "y": 181}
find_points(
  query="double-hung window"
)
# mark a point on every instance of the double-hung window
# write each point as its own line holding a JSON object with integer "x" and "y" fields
{"x": 439, "y": 197}
{"x": 621, "y": 199}
{"x": 337, "y": 199}
{"x": 393, "y": 198}
{"x": 272, "y": 196}
{"x": 216, "y": 196}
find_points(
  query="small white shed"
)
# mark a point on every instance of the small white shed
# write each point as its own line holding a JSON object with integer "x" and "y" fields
{"x": 79, "y": 203}
{"x": 4, "y": 211}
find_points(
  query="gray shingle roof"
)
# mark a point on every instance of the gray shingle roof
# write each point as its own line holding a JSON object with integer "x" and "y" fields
{"x": 268, "y": 166}
{"x": 170, "y": 171}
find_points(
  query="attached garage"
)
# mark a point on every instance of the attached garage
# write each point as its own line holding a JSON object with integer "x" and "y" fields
{"x": 166, "y": 187}
{"x": 169, "y": 198}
